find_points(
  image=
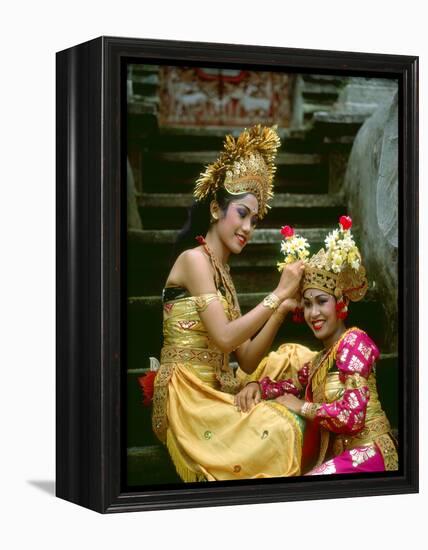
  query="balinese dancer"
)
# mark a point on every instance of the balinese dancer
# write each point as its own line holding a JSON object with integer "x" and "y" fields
{"x": 347, "y": 431}
{"x": 194, "y": 413}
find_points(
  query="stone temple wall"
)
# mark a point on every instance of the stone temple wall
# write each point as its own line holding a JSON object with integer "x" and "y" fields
{"x": 371, "y": 190}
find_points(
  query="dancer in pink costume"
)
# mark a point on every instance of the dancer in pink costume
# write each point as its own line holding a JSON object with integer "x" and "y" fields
{"x": 347, "y": 430}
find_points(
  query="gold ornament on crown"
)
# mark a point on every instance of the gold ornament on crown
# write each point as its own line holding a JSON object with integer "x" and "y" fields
{"x": 338, "y": 268}
{"x": 246, "y": 165}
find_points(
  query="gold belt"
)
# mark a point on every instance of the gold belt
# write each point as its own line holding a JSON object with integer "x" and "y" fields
{"x": 373, "y": 429}
{"x": 195, "y": 356}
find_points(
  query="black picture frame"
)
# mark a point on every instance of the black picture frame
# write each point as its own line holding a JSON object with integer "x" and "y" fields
{"x": 90, "y": 271}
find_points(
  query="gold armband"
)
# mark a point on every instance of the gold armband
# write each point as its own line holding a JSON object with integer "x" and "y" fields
{"x": 202, "y": 301}
{"x": 309, "y": 410}
{"x": 271, "y": 301}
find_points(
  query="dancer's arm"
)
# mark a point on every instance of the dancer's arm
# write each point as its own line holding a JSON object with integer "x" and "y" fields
{"x": 197, "y": 276}
{"x": 251, "y": 352}
{"x": 355, "y": 359}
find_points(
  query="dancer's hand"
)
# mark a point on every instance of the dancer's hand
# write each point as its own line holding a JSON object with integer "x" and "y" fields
{"x": 289, "y": 305}
{"x": 291, "y": 402}
{"x": 290, "y": 280}
{"x": 248, "y": 397}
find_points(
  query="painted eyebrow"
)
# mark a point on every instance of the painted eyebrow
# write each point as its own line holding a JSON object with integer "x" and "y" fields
{"x": 316, "y": 296}
{"x": 249, "y": 209}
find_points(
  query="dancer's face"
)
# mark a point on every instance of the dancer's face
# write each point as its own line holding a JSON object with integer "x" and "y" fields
{"x": 236, "y": 226}
{"x": 320, "y": 314}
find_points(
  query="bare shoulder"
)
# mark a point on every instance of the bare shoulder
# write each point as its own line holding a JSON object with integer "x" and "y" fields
{"x": 193, "y": 258}
{"x": 195, "y": 261}
{"x": 193, "y": 270}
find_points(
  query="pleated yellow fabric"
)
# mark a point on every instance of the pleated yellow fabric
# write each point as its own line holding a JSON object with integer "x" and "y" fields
{"x": 194, "y": 415}
{"x": 280, "y": 364}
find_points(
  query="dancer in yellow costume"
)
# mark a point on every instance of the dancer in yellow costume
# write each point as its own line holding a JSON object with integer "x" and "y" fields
{"x": 194, "y": 410}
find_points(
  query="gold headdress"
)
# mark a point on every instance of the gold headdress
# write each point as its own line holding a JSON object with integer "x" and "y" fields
{"x": 337, "y": 270}
{"x": 245, "y": 166}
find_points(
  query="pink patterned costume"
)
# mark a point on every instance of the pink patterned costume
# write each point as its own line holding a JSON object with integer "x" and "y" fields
{"x": 347, "y": 430}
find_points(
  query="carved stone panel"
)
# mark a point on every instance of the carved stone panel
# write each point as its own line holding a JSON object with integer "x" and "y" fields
{"x": 223, "y": 97}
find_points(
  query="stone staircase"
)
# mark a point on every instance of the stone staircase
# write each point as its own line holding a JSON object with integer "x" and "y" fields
{"x": 311, "y": 167}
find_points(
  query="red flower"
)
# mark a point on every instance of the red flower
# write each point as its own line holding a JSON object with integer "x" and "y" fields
{"x": 345, "y": 222}
{"x": 298, "y": 316}
{"x": 341, "y": 309}
{"x": 287, "y": 231}
{"x": 147, "y": 385}
{"x": 340, "y": 305}
{"x": 200, "y": 239}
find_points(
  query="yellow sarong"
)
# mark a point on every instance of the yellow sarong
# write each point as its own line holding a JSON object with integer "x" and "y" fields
{"x": 194, "y": 413}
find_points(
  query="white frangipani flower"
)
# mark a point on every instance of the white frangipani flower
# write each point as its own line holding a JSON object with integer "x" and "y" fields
{"x": 294, "y": 247}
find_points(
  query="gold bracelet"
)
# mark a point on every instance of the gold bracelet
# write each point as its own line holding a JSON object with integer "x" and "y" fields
{"x": 309, "y": 410}
{"x": 271, "y": 301}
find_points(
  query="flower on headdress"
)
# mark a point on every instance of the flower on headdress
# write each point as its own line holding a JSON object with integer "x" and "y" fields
{"x": 337, "y": 268}
{"x": 287, "y": 231}
{"x": 345, "y": 222}
{"x": 341, "y": 249}
{"x": 336, "y": 262}
{"x": 331, "y": 238}
{"x": 293, "y": 247}
{"x": 353, "y": 260}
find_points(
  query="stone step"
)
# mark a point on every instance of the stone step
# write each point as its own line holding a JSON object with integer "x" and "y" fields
{"x": 176, "y": 171}
{"x": 175, "y": 139}
{"x": 333, "y": 117}
{"x": 312, "y": 89}
{"x": 206, "y": 157}
{"x": 170, "y": 210}
{"x": 309, "y": 179}
{"x": 260, "y": 236}
{"x": 185, "y": 139}
{"x": 143, "y": 106}
{"x": 150, "y": 465}
{"x": 324, "y": 79}
{"x": 281, "y": 200}
{"x": 318, "y": 94}
{"x": 255, "y": 270}
{"x": 149, "y": 257}
{"x": 332, "y": 126}
{"x": 218, "y": 132}
{"x": 311, "y": 107}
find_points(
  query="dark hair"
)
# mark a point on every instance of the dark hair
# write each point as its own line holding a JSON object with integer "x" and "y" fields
{"x": 198, "y": 220}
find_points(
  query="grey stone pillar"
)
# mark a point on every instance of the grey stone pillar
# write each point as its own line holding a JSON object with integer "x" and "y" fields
{"x": 371, "y": 188}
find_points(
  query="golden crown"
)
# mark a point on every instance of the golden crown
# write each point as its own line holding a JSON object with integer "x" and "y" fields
{"x": 246, "y": 165}
{"x": 338, "y": 269}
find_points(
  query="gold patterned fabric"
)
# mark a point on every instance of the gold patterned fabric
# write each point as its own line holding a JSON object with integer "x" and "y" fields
{"x": 377, "y": 429}
{"x": 194, "y": 413}
{"x": 327, "y": 387}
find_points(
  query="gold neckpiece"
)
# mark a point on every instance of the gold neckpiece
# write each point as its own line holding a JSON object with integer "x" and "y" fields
{"x": 222, "y": 278}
